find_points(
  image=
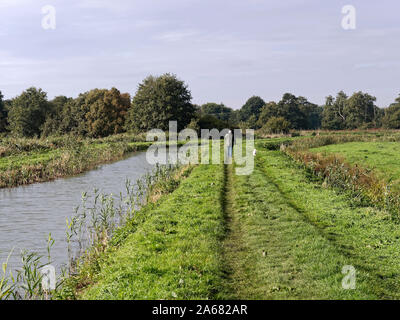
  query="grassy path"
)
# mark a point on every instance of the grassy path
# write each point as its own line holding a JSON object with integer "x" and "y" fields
{"x": 233, "y": 248}
{"x": 288, "y": 238}
{"x": 274, "y": 234}
{"x": 174, "y": 250}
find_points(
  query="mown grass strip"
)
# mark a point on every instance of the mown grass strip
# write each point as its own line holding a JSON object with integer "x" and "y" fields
{"x": 279, "y": 254}
{"x": 363, "y": 237}
{"x": 175, "y": 252}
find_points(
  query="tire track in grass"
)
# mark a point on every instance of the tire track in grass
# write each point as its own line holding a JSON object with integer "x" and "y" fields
{"x": 350, "y": 230}
{"x": 271, "y": 252}
{"x": 233, "y": 248}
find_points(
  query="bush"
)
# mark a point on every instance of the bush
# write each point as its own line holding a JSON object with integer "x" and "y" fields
{"x": 277, "y": 125}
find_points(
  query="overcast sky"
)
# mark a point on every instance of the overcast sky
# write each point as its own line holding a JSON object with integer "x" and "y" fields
{"x": 226, "y": 51}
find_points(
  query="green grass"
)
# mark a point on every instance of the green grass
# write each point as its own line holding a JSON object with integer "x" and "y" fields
{"x": 272, "y": 250}
{"x": 28, "y": 158}
{"x": 40, "y": 161}
{"x": 274, "y": 234}
{"x": 174, "y": 252}
{"x": 308, "y": 233}
{"x": 382, "y": 157}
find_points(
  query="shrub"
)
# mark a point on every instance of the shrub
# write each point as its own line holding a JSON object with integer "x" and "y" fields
{"x": 277, "y": 125}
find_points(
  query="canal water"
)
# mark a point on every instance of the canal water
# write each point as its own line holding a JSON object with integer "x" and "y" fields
{"x": 29, "y": 213}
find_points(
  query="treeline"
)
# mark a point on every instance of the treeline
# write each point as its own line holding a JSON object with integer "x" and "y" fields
{"x": 99, "y": 112}
{"x": 158, "y": 100}
{"x": 297, "y": 113}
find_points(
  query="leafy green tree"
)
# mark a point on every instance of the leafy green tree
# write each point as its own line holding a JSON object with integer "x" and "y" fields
{"x": 312, "y": 113}
{"x": 159, "y": 100}
{"x": 333, "y": 116}
{"x": 210, "y": 122}
{"x": 277, "y": 125}
{"x": 107, "y": 111}
{"x": 234, "y": 118}
{"x": 391, "y": 118}
{"x": 3, "y": 114}
{"x": 357, "y": 111}
{"x": 251, "y": 107}
{"x": 267, "y": 112}
{"x": 28, "y": 112}
{"x": 289, "y": 108}
{"x": 55, "y": 116}
{"x": 219, "y": 111}
{"x": 251, "y": 122}
{"x": 360, "y": 110}
{"x": 194, "y": 125}
{"x": 298, "y": 111}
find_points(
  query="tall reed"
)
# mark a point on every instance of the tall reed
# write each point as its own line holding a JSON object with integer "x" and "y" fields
{"x": 88, "y": 234}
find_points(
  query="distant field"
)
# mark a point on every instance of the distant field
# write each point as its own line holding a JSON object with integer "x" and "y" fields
{"x": 382, "y": 157}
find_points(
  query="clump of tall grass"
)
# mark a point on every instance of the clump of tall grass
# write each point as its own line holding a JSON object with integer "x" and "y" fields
{"x": 343, "y": 137}
{"x": 77, "y": 156}
{"x": 364, "y": 186}
{"x": 26, "y": 283}
{"x": 324, "y": 140}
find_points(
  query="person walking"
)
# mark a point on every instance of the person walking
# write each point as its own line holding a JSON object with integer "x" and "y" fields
{"x": 229, "y": 145}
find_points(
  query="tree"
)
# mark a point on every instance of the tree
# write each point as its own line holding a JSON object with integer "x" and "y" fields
{"x": 298, "y": 111}
{"x": 28, "y": 113}
{"x": 3, "y": 114}
{"x": 358, "y": 111}
{"x": 312, "y": 113}
{"x": 391, "y": 118}
{"x": 251, "y": 107}
{"x": 55, "y": 116}
{"x": 277, "y": 125}
{"x": 289, "y": 108}
{"x": 267, "y": 112}
{"x": 159, "y": 100}
{"x": 219, "y": 111}
{"x": 210, "y": 122}
{"x": 234, "y": 118}
{"x": 333, "y": 117}
{"x": 107, "y": 111}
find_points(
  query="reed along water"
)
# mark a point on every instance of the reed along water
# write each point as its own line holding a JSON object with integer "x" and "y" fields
{"x": 29, "y": 213}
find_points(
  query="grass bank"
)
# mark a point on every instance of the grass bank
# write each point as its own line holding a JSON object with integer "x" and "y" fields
{"x": 275, "y": 234}
{"x": 296, "y": 236}
{"x": 174, "y": 251}
{"x": 382, "y": 157}
{"x": 26, "y": 161}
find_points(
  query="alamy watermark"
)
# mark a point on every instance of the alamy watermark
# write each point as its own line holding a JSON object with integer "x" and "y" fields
{"x": 349, "y": 280}
{"x": 48, "y": 278}
{"x": 49, "y": 21}
{"x": 196, "y": 150}
{"x": 349, "y": 20}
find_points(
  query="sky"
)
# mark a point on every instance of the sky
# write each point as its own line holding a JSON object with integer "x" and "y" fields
{"x": 226, "y": 51}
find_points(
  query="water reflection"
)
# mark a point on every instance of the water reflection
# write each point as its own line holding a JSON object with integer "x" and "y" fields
{"x": 29, "y": 213}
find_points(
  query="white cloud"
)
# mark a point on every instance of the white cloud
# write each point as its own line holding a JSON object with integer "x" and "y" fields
{"x": 175, "y": 36}
{"x": 13, "y": 3}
